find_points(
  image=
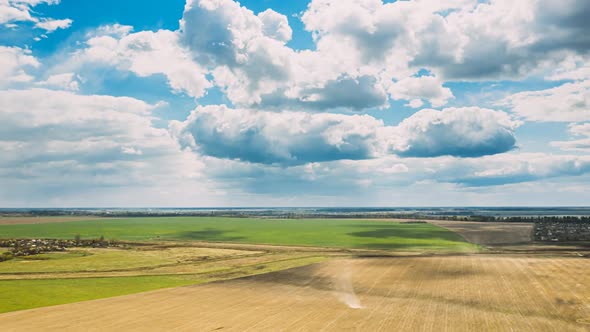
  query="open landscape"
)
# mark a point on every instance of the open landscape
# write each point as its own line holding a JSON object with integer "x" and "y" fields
{"x": 458, "y": 293}
{"x": 151, "y": 253}
{"x": 295, "y": 165}
{"x": 220, "y": 273}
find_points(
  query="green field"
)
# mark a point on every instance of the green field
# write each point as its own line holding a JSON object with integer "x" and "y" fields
{"x": 341, "y": 233}
{"x": 27, "y": 294}
{"x": 23, "y": 294}
{"x": 105, "y": 260}
{"x": 84, "y": 273}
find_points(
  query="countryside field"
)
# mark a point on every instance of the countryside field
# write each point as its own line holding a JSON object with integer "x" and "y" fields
{"x": 239, "y": 274}
{"x": 167, "y": 252}
{"x": 344, "y": 233}
{"x": 462, "y": 293}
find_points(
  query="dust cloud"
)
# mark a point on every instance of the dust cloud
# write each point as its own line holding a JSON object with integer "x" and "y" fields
{"x": 343, "y": 288}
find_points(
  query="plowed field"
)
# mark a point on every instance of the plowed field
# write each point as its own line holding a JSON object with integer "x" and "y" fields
{"x": 440, "y": 293}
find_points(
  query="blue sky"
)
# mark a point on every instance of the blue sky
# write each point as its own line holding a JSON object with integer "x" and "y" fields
{"x": 294, "y": 103}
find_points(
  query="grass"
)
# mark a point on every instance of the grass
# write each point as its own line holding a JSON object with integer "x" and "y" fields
{"x": 342, "y": 233}
{"x": 174, "y": 266}
{"x": 97, "y": 260}
{"x": 35, "y": 293}
{"x": 27, "y": 294}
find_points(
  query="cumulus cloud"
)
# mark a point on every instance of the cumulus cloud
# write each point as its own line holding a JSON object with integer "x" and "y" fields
{"x": 245, "y": 51}
{"x": 471, "y": 40}
{"x": 518, "y": 168}
{"x": 372, "y": 47}
{"x": 378, "y": 47}
{"x": 275, "y": 25}
{"x": 292, "y": 138}
{"x": 378, "y": 180}
{"x": 344, "y": 92}
{"x": 278, "y": 134}
{"x": 462, "y": 132}
{"x": 22, "y": 11}
{"x": 494, "y": 170}
{"x": 375, "y": 29}
{"x": 281, "y": 138}
{"x": 421, "y": 88}
{"x": 14, "y": 63}
{"x": 582, "y": 144}
{"x": 144, "y": 53}
{"x": 35, "y": 111}
{"x": 500, "y": 39}
{"x": 251, "y": 63}
{"x": 65, "y": 81}
{"x": 569, "y": 102}
{"x": 576, "y": 68}
{"x": 15, "y": 10}
{"x": 51, "y": 25}
{"x": 57, "y": 138}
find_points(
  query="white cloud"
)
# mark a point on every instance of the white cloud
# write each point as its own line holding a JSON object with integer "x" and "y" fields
{"x": 471, "y": 40}
{"x": 251, "y": 63}
{"x": 462, "y": 132}
{"x": 22, "y": 11}
{"x": 365, "y": 51}
{"x": 517, "y": 168}
{"x": 502, "y": 39}
{"x": 424, "y": 87}
{"x": 376, "y": 48}
{"x": 245, "y": 52}
{"x": 281, "y": 138}
{"x": 494, "y": 170}
{"x": 65, "y": 81}
{"x": 580, "y": 129}
{"x": 575, "y": 68}
{"x": 415, "y": 103}
{"x": 51, "y": 25}
{"x": 144, "y": 53}
{"x": 293, "y": 138}
{"x": 582, "y": 144}
{"x": 59, "y": 139}
{"x": 569, "y": 102}
{"x": 14, "y": 12}
{"x": 114, "y": 30}
{"x": 377, "y": 182}
{"x": 275, "y": 25}
{"x": 14, "y": 63}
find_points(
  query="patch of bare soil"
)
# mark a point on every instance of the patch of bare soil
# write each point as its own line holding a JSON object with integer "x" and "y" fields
{"x": 490, "y": 233}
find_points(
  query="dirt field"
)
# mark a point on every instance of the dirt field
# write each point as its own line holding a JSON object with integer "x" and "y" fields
{"x": 442, "y": 293}
{"x": 491, "y": 233}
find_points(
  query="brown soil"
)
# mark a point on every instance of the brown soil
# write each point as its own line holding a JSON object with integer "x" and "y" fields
{"x": 490, "y": 233}
{"x": 439, "y": 293}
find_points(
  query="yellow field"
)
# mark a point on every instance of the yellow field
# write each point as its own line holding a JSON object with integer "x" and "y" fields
{"x": 207, "y": 261}
{"x": 114, "y": 260}
{"x": 441, "y": 293}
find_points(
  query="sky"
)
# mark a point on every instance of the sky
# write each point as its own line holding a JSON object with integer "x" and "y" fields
{"x": 214, "y": 103}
